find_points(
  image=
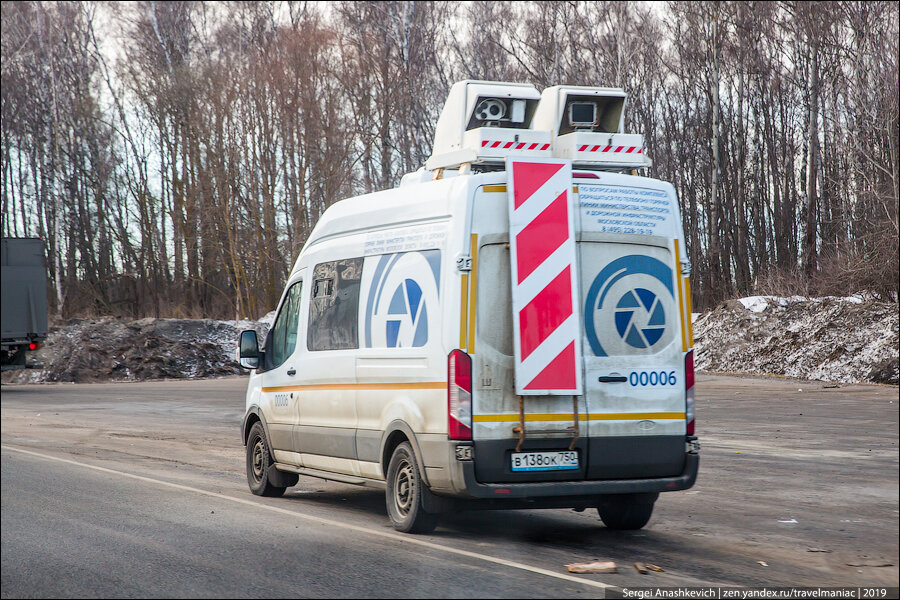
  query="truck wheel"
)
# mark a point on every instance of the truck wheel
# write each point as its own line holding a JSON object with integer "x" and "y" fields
{"x": 626, "y": 511}
{"x": 258, "y": 462}
{"x": 404, "y": 493}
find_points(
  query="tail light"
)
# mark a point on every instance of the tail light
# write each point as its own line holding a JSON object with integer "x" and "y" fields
{"x": 459, "y": 395}
{"x": 33, "y": 346}
{"x": 689, "y": 391}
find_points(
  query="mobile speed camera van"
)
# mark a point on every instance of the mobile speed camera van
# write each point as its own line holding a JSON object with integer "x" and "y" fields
{"x": 509, "y": 327}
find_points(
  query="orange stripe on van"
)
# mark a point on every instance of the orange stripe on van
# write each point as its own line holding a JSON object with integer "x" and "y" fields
{"x": 422, "y": 385}
{"x": 463, "y": 309}
{"x": 661, "y": 416}
{"x": 684, "y": 345}
{"x": 473, "y": 293}
{"x": 514, "y": 417}
{"x": 502, "y": 189}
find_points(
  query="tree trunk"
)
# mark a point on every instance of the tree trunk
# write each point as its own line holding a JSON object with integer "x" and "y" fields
{"x": 812, "y": 167}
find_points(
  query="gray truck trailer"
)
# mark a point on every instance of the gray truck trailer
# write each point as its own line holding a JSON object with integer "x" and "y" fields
{"x": 23, "y": 300}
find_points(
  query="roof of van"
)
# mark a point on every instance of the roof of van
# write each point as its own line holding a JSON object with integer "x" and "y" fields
{"x": 409, "y": 204}
{"x": 416, "y": 203}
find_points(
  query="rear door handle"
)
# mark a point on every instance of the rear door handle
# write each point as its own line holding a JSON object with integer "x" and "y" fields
{"x": 612, "y": 379}
{"x": 292, "y": 371}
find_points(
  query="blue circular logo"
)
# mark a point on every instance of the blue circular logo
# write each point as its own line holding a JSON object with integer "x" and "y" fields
{"x": 640, "y": 318}
{"x": 406, "y": 324}
{"x": 626, "y": 305}
{"x": 402, "y": 287}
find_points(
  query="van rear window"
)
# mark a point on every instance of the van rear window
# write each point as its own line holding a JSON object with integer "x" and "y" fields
{"x": 494, "y": 298}
{"x": 334, "y": 306}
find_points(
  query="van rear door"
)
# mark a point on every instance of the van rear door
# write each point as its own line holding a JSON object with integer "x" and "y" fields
{"x": 634, "y": 333}
{"x": 631, "y": 417}
{"x": 549, "y": 419}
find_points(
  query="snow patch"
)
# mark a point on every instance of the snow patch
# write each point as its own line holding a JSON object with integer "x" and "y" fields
{"x": 760, "y": 303}
{"x": 847, "y": 339}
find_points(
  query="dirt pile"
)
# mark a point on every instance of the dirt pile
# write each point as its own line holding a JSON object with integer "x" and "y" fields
{"x": 110, "y": 349}
{"x": 828, "y": 339}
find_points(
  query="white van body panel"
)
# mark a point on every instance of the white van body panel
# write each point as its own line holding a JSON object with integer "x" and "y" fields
{"x": 434, "y": 276}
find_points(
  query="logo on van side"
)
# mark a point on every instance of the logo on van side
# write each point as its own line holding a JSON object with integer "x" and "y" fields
{"x": 403, "y": 287}
{"x": 630, "y": 297}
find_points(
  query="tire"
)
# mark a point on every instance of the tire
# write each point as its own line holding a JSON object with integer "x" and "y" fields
{"x": 259, "y": 459}
{"x": 405, "y": 492}
{"x": 627, "y": 511}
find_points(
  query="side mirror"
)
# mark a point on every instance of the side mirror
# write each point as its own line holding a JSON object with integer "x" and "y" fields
{"x": 248, "y": 350}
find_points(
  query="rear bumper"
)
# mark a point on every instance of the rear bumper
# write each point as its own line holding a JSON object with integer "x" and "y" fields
{"x": 500, "y": 491}
{"x": 13, "y": 354}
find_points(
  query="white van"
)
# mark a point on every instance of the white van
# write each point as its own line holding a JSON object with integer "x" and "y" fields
{"x": 510, "y": 327}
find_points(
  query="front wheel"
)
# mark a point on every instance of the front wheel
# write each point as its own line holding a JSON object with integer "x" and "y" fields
{"x": 259, "y": 459}
{"x": 626, "y": 511}
{"x": 404, "y": 493}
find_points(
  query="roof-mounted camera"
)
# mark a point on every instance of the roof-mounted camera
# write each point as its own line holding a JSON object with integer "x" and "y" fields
{"x": 483, "y": 122}
{"x": 587, "y": 125}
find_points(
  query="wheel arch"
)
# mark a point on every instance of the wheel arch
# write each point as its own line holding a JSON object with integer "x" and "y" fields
{"x": 395, "y": 434}
{"x": 254, "y": 415}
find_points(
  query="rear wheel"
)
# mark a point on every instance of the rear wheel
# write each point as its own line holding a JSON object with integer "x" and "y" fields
{"x": 405, "y": 493}
{"x": 259, "y": 459}
{"x": 626, "y": 511}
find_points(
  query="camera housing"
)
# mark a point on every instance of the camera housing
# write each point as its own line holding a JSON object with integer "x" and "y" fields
{"x": 483, "y": 122}
{"x": 587, "y": 126}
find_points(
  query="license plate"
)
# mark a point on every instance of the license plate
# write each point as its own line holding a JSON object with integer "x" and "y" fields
{"x": 544, "y": 461}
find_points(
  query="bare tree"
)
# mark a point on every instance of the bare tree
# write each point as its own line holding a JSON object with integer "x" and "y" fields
{"x": 181, "y": 174}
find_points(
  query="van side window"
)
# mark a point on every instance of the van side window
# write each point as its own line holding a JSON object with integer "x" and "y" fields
{"x": 334, "y": 306}
{"x": 283, "y": 337}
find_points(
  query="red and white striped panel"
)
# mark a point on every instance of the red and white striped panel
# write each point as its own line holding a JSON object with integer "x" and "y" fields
{"x": 546, "y": 321}
{"x": 607, "y": 148}
{"x": 505, "y": 145}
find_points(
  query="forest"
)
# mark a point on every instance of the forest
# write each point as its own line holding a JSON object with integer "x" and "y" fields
{"x": 174, "y": 156}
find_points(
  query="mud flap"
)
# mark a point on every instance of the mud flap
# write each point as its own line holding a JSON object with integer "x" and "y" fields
{"x": 280, "y": 478}
{"x": 435, "y": 504}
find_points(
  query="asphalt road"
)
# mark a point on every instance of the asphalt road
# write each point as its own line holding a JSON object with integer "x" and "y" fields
{"x": 138, "y": 490}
